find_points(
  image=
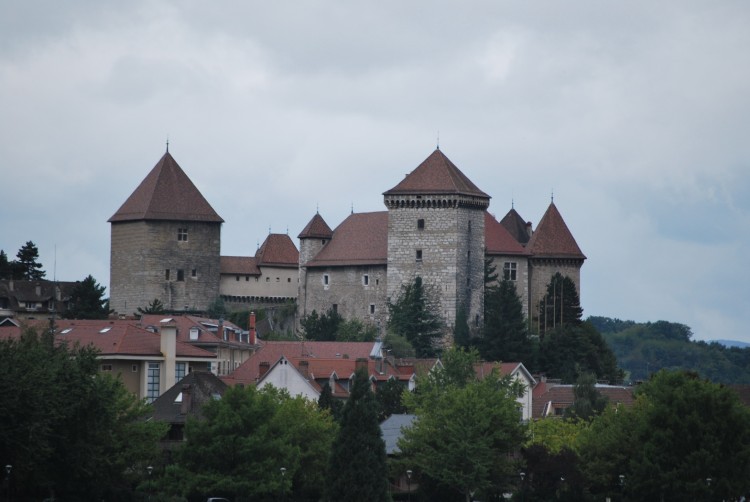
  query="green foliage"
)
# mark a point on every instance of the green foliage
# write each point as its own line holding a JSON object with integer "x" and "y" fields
{"x": 681, "y": 431}
{"x": 244, "y": 440}
{"x": 155, "y": 307}
{"x": 217, "y": 308}
{"x": 389, "y": 397}
{"x": 465, "y": 430}
{"x": 504, "y": 336}
{"x": 551, "y": 475}
{"x": 414, "y": 316}
{"x": 462, "y": 333}
{"x": 87, "y": 301}
{"x": 588, "y": 402}
{"x": 322, "y": 327}
{"x": 326, "y": 401}
{"x": 608, "y": 325}
{"x": 27, "y": 266}
{"x": 68, "y": 428}
{"x": 355, "y": 330}
{"x": 6, "y": 270}
{"x": 571, "y": 350}
{"x": 357, "y": 469}
{"x": 555, "y": 434}
{"x": 560, "y": 305}
{"x": 398, "y": 345}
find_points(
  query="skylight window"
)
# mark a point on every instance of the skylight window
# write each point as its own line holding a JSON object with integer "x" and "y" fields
{"x": 104, "y": 330}
{"x": 66, "y": 331}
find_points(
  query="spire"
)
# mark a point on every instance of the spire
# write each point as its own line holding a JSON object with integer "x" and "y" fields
{"x": 438, "y": 139}
{"x": 167, "y": 144}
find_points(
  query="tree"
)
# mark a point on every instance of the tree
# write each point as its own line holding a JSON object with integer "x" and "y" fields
{"x": 504, "y": 336}
{"x": 587, "y": 401}
{"x": 464, "y": 432}
{"x": 87, "y": 302}
{"x": 462, "y": 333}
{"x": 6, "y": 269}
{"x": 414, "y": 316}
{"x": 326, "y": 401}
{"x": 67, "y": 428}
{"x": 244, "y": 440}
{"x": 217, "y": 309}
{"x": 323, "y": 327}
{"x": 389, "y": 398}
{"x": 571, "y": 350}
{"x": 680, "y": 432}
{"x": 355, "y": 330}
{"x": 27, "y": 264}
{"x": 357, "y": 469}
{"x": 155, "y": 307}
{"x": 560, "y": 305}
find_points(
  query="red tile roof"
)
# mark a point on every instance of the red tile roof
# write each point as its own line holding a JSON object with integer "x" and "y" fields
{"x": 516, "y": 225}
{"x": 278, "y": 250}
{"x": 562, "y": 396}
{"x": 270, "y": 352}
{"x": 497, "y": 239}
{"x": 361, "y": 239}
{"x": 436, "y": 175}
{"x": 317, "y": 228}
{"x": 166, "y": 194}
{"x": 207, "y": 328}
{"x": 552, "y": 237}
{"x": 241, "y": 265}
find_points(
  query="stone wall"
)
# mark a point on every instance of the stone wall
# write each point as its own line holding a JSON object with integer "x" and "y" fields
{"x": 541, "y": 271}
{"x": 143, "y": 251}
{"x": 522, "y": 276}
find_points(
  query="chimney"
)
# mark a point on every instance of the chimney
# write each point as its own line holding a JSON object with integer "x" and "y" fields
{"x": 187, "y": 399}
{"x": 251, "y": 328}
{"x": 168, "y": 338}
{"x": 304, "y": 368}
{"x": 529, "y": 231}
{"x": 263, "y": 368}
{"x": 361, "y": 362}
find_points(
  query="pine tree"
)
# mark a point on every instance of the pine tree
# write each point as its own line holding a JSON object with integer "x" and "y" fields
{"x": 87, "y": 302}
{"x": 326, "y": 401}
{"x": 504, "y": 336}
{"x": 357, "y": 470}
{"x": 5, "y": 266}
{"x": 414, "y": 316}
{"x": 560, "y": 304}
{"x": 30, "y": 269}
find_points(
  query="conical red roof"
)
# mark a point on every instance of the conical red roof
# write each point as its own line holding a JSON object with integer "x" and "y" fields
{"x": 317, "y": 228}
{"x": 278, "y": 249}
{"x": 552, "y": 237}
{"x": 166, "y": 194}
{"x": 516, "y": 226}
{"x": 497, "y": 239}
{"x": 436, "y": 175}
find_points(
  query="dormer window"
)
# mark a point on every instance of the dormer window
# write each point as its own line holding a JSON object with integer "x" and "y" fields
{"x": 182, "y": 234}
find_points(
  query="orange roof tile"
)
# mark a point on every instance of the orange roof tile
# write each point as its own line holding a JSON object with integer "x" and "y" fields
{"x": 436, "y": 175}
{"x": 361, "y": 239}
{"x": 317, "y": 228}
{"x": 278, "y": 250}
{"x": 552, "y": 237}
{"x": 243, "y": 265}
{"x": 166, "y": 194}
{"x": 497, "y": 239}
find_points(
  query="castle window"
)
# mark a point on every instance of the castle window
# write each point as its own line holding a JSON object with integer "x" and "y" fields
{"x": 335, "y": 307}
{"x": 166, "y": 275}
{"x": 420, "y": 224}
{"x": 469, "y": 225}
{"x": 268, "y": 279}
{"x": 194, "y": 273}
{"x": 182, "y": 234}
{"x": 372, "y": 308}
{"x": 419, "y": 255}
{"x": 236, "y": 277}
{"x": 106, "y": 367}
{"x": 278, "y": 279}
{"x": 366, "y": 280}
{"x": 247, "y": 278}
{"x": 325, "y": 280}
{"x": 509, "y": 270}
{"x": 288, "y": 279}
{"x": 180, "y": 275}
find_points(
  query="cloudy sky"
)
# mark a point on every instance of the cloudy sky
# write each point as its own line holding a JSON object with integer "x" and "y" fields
{"x": 634, "y": 114}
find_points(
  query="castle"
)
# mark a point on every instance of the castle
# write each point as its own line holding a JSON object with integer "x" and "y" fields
{"x": 165, "y": 244}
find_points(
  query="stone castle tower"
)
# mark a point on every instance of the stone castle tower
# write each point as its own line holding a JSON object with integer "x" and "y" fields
{"x": 436, "y": 232}
{"x": 165, "y": 244}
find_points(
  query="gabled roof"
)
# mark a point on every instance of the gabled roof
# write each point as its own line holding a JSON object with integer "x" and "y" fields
{"x": 516, "y": 225}
{"x": 204, "y": 387}
{"x": 240, "y": 265}
{"x": 392, "y": 430}
{"x": 277, "y": 250}
{"x": 34, "y": 291}
{"x": 166, "y": 194}
{"x": 207, "y": 329}
{"x": 497, "y": 239}
{"x": 485, "y": 368}
{"x": 317, "y": 228}
{"x": 552, "y": 237}
{"x": 436, "y": 175}
{"x": 271, "y": 351}
{"x": 361, "y": 239}
{"x": 562, "y": 396}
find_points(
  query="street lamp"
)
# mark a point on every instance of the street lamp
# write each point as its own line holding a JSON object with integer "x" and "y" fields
{"x": 283, "y": 477}
{"x": 8, "y": 468}
{"x": 149, "y": 469}
{"x": 523, "y": 476}
{"x": 408, "y": 482}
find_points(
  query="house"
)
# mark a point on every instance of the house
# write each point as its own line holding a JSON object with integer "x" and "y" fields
{"x": 183, "y": 400}
{"x": 551, "y": 399}
{"x": 391, "y": 429}
{"x": 517, "y": 372}
{"x": 147, "y": 363}
{"x": 38, "y": 299}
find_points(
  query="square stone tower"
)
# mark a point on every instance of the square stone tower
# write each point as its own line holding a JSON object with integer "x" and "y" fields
{"x": 436, "y": 232}
{"x": 165, "y": 244}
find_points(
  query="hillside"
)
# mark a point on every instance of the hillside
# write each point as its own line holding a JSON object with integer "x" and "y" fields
{"x": 643, "y": 348}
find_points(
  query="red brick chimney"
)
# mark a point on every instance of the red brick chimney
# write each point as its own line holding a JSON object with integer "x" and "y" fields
{"x": 304, "y": 368}
{"x": 251, "y": 328}
{"x": 263, "y": 368}
{"x": 187, "y": 399}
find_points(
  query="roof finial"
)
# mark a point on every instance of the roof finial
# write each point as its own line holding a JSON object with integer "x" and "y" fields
{"x": 438, "y": 140}
{"x": 287, "y": 229}
{"x": 552, "y": 196}
{"x": 167, "y": 143}
{"x": 317, "y": 208}
{"x": 352, "y": 207}
{"x": 512, "y": 203}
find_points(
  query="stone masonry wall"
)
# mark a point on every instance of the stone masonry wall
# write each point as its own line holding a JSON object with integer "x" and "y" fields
{"x": 540, "y": 273}
{"x": 143, "y": 251}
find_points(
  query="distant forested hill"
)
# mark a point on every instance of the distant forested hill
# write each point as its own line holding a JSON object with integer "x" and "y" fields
{"x": 643, "y": 348}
